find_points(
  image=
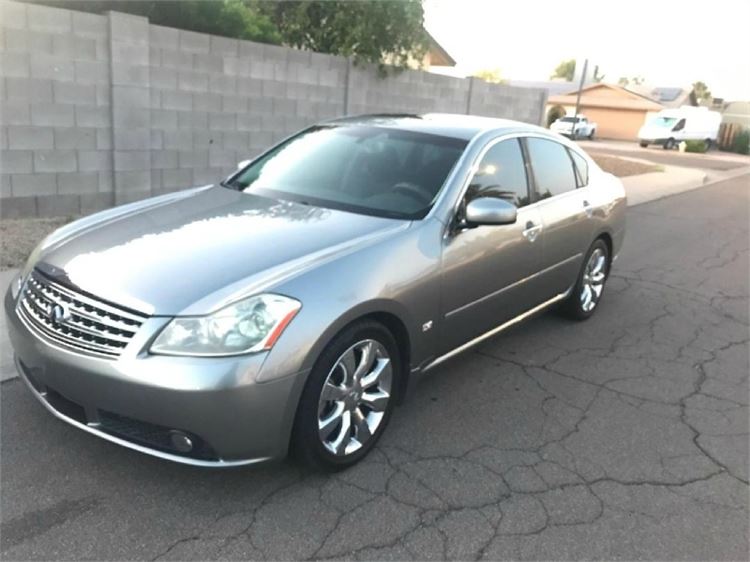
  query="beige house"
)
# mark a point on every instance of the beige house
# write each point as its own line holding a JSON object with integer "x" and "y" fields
{"x": 617, "y": 112}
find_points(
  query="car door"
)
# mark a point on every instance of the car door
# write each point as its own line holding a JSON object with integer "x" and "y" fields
{"x": 565, "y": 208}
{"x": 486, "y": 269}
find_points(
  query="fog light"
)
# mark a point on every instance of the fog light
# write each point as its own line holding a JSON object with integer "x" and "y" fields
{"x": 180, "y": 441}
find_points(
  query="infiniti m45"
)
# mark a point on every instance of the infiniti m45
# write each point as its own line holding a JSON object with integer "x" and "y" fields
{"x": 290, "y": 307}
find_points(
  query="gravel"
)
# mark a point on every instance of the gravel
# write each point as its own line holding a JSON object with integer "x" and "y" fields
{"x": 622, "y": 167}
{"x": 18, "y": 237}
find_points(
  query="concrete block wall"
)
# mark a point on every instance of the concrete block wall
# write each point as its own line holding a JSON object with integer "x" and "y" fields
{"x": 509, "y": 102}
{"x": 55, "y": 111}
{"x": 99, "y": 110}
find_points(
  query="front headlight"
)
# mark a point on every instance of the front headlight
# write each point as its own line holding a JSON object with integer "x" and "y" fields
{"x": 247, "y": 326}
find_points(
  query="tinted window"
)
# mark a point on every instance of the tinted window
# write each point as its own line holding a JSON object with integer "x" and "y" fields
{"x": 582, "y": 168}
{"x": 372, "y": 170}
{"x": 501, "y": 173}
{"x": 553, "y": 168}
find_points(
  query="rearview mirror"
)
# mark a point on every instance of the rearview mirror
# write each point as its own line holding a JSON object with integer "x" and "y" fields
{"x": 243, "y": 164}
{"x": 490, "y": 211}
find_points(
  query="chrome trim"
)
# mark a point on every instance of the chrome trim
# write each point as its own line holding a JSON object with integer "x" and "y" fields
{"x": 515, "y": 284}
{"x": 495, "y": 331}
{"x": 140, "y": 448}
{"x": 91, "y": 327}
{"x": 492, "y": 142}
{"x": 101, "y": 305}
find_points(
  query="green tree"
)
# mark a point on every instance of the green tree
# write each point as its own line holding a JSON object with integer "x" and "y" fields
{"x": 624, "y": 81}
{"x": 565, "y": 70}
{"x": 702, "y": 93}
{"x": 492, "y": 75}
{"x": 230, "y": 18}
{"x": 368, "y": 30}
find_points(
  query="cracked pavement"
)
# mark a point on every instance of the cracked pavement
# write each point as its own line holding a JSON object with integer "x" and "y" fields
{"x": 624, "y": 437}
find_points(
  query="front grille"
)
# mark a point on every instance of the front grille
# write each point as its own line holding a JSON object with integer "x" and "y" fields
{"x": 84, "y": 323}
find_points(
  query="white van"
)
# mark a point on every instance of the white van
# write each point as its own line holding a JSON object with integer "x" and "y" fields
{"x": 671, "y": 126}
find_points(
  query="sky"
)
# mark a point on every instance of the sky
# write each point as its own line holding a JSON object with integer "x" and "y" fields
{"x": 669, "y": 43}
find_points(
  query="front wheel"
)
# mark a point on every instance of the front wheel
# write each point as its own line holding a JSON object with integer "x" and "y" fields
{"x": 348, "y": 398}
{"x": 669, "y": 144}
{"x": 589, "y": 287}
{"x": 643, "y": 144}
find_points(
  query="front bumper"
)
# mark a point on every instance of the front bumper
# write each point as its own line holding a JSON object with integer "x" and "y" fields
{"x": 139, "y": 400}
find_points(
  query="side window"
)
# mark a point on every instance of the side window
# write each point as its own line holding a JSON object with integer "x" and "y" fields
{"x": 680, "y": 125}
{"x": 501, "y": 173}
{"x": 553, "y": 168}
{"x": 582, "y": 168}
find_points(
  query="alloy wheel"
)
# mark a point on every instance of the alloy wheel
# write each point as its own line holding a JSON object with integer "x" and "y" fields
{"x": 354, "y": 397}
{"x": 594, "y": 275}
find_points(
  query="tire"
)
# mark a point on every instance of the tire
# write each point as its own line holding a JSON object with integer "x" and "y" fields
{"x": 576, "y": 307}
{"x": 708, "y": 145}
{"x": 643, "y": 144}
{"x": 669, "y": 144}
{"x": 591, "y": 134}
{"x": 333, "y": 393}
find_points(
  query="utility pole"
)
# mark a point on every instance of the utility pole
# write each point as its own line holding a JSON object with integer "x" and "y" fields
{"x": 578, "y": 97}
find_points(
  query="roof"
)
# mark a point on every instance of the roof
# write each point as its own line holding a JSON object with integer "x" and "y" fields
{"x": 608, "y": 96}
{"x": 438, "y": 55}
{"x": 668, "y": 96}
{"x": 459, "y": 126}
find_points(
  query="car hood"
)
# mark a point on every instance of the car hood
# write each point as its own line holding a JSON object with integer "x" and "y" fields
{"x": 194, "y": 253}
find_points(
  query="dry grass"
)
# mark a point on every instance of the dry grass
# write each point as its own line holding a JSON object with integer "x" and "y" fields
{"x": 621, "y": 167}
{"x": 18, "y": 237}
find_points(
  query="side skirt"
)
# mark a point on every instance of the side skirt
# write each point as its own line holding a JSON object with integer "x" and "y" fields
{"x": 512, "y": 322}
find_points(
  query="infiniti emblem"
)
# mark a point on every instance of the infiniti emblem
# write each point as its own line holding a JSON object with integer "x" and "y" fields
{"x": 59, "y": 314}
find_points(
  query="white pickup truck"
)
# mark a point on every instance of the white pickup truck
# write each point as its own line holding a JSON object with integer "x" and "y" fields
{"x": 583, "y": 127}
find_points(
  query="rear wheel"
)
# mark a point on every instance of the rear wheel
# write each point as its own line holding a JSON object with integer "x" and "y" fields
{"x": 589, "y": 287}
{"x": 643, "y": 144}
{"x": 591, "y": 134}
{"x": 348, "y": 398}
{"x": 707, "y": 144}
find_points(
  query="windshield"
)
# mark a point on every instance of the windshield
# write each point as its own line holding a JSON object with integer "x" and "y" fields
{"x": 365, "y": 169}
{"x": 663, "y": 122}
{"x": 570, "y": 119}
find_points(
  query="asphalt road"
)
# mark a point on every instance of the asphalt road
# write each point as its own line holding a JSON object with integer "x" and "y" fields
{"x": 625, "y": 437}
{"x": 658, "y": 155}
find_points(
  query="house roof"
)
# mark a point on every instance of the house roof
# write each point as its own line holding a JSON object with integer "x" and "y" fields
{"x": 607, "y": 95}
{"x": 438, "y": 55}
{"x": 668, "y": 96}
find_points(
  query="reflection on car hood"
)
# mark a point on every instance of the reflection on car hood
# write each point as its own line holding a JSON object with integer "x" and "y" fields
{"x": 164, "y": 258}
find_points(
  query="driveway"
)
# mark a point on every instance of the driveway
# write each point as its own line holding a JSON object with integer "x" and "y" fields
{"x": 625, "y": 437}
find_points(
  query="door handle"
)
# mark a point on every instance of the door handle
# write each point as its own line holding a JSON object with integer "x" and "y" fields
{"x": 531, "y": 231}
{"x": 588, "y": 208}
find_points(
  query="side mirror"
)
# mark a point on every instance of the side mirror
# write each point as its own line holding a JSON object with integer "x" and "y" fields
{"x": 490, "y": 211}
{"x": 242, "y": 164}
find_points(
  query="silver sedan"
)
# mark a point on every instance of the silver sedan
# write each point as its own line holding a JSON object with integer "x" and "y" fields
{"x": 290, "y": 307}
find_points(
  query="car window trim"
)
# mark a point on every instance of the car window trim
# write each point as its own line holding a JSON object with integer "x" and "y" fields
{"x": 519, "y": 141}
{"x": 573, "y": 165}
{"x": 453, "y": 207}
{"x": 576, "y": 170}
